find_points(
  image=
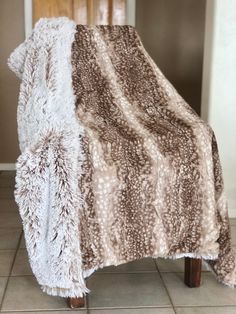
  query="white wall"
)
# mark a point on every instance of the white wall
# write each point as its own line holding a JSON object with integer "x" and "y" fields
{"x": 219, "y": 87}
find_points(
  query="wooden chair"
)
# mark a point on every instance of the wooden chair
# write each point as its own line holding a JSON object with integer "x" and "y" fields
{"x": 192, "y": 278}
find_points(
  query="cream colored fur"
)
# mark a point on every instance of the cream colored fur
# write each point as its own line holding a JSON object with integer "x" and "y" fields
{"x": 46, "y": 191}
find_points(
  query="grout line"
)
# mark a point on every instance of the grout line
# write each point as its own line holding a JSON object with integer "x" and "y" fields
{"x": 100, "y": 308}
{"x": 126, "y": 272}
{"x": 44, "y": 310}
{"x": 83, "y": 310}
{"x": 167, "y": 291}
{"x": 203, "y": 306}
{"x": 139, "y": 307}
{"x": 142, "y": 272}
{"x": 23, "y": 275}
{"x": 87, "y": 300}
{"x": 12, "y": 265}
{"x": 124, "y": 307}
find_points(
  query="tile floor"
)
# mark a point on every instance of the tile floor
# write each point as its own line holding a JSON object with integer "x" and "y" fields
{"x": 147, "y": 286}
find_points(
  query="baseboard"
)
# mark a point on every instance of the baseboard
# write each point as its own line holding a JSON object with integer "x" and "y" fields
{"x": 7, "y": 166}
{"x": 232, "y": 213}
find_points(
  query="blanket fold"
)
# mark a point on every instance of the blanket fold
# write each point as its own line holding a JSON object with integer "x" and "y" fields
{"x": 115, "y": 165}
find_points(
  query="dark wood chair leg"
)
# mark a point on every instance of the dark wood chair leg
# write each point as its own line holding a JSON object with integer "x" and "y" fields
{"x": 75, "y": 302}
{"x": 192, "y": 271}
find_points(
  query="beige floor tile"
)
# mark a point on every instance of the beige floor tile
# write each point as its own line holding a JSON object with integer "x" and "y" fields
{"x": 206, "y": 310}
{"x": 22, "y": 242}
{"x": 105, "y": 311}
{"x": 126, "y": 290}
{"x": 6, "y": 260}
{"x": 173, "y": 265}
{"x": 211, "y": 292}
{"x": 3, "y": 282}
{"x": 233, "y": 221}
{"x": 9, "y": 219}
{"x": 21, "y": 265}
{"x": 9, "y": 238}
{"x": 8, "y": 205}
{"x": 233, "y": 233}
{"x": 69, "y": 311}
{"x": 142, "y": 265}
{"x": 134, "y": 311}
{"x": 6, "y": 193}
{"x": 170, "y": 265}
{"x": 24, "y": 293}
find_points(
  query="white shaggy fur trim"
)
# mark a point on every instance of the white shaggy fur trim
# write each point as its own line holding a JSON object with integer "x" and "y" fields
{"x": 49, "y": 166}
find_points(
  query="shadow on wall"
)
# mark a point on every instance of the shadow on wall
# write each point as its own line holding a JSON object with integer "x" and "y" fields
{"x": 11, "y": 35}
{"x": 173, "y": 34}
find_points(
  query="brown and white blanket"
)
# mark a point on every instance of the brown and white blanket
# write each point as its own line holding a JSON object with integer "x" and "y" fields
{"x": 115, "y": 165}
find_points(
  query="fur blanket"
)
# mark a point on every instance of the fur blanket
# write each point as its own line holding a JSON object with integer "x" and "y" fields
{"x": 115, "y": 165}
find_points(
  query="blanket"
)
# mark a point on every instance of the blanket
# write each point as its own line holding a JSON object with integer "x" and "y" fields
{"x": 115, "y": 165}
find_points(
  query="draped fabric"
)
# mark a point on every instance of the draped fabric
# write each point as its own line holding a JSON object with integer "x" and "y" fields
{"x": 127, "y": 171}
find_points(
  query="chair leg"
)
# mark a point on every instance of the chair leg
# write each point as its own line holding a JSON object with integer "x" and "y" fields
{"x": 75, "y": 302}
{"x": 192, "y": 271}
